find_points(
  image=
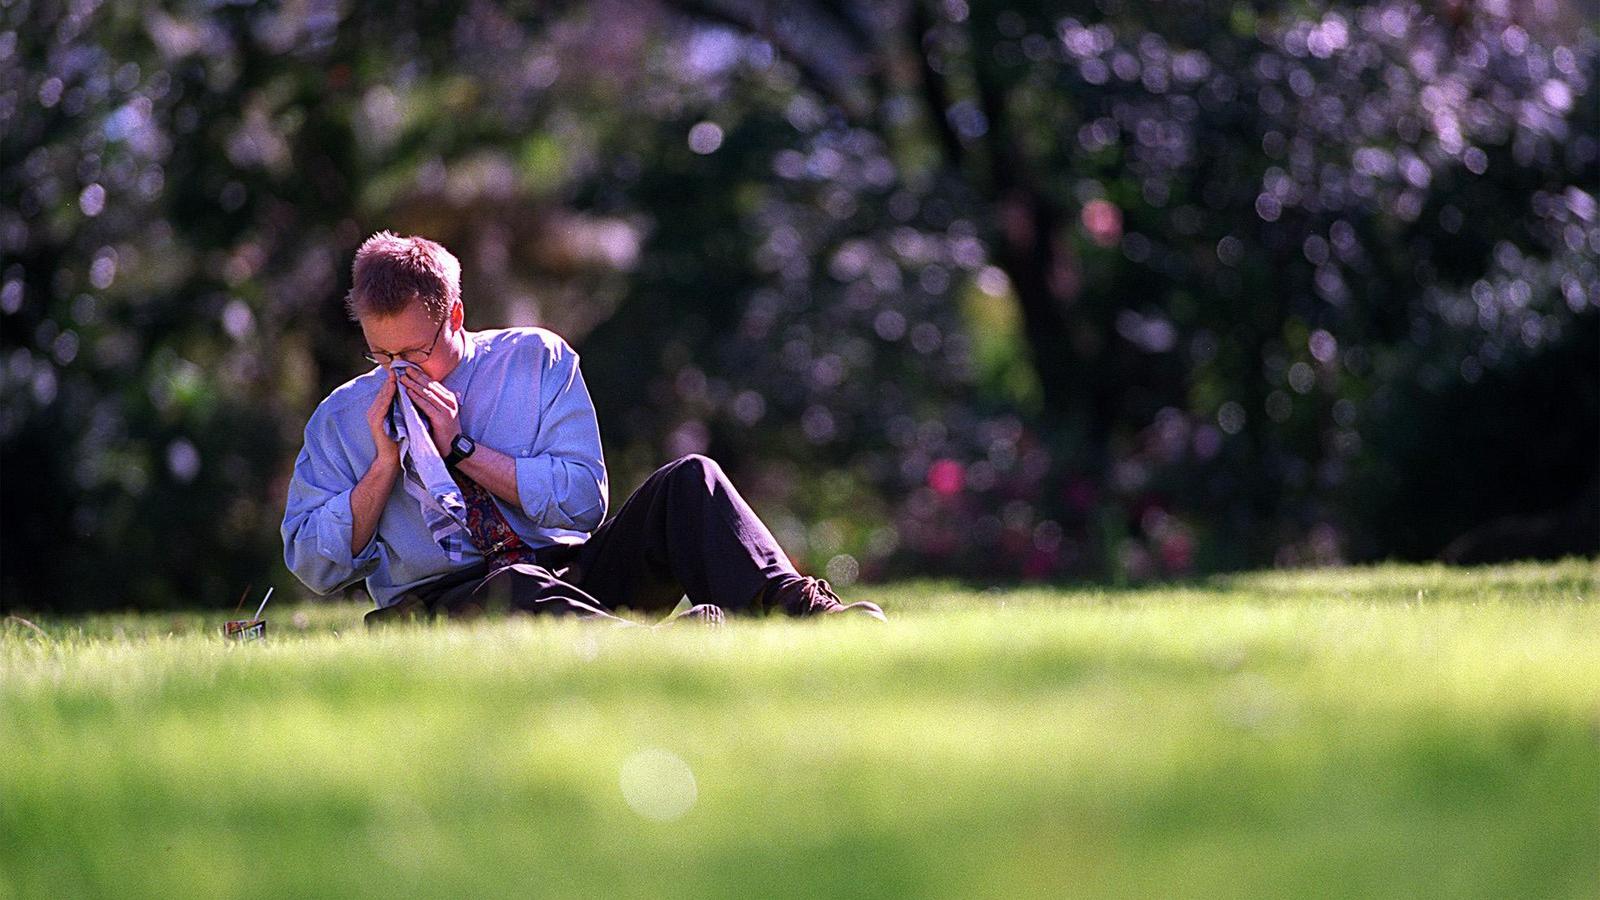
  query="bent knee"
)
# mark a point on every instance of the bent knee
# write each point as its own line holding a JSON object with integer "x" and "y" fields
{"x": 694, "y": 466}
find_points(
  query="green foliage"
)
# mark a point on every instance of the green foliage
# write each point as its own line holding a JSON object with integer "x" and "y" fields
{"x": 1366, "y": 732}
{"x": 1260, "y": 261}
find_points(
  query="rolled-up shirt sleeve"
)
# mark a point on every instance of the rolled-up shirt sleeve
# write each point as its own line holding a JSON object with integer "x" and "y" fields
{"x": 562, "y": 482}
{"x": 317, "y": 522}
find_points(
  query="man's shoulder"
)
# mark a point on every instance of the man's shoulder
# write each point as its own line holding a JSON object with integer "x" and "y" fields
{"x": 354, "y": 395}
{"x": 540, "y": 344}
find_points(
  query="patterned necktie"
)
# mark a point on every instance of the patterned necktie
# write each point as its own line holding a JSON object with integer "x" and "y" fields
{"x": 490, "y": 531}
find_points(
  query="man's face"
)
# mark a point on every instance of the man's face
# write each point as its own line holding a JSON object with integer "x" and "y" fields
{"x": 412, "y": 336}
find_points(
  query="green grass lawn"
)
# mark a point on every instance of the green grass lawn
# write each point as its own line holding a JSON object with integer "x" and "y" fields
{"x": 1395, "y": 731}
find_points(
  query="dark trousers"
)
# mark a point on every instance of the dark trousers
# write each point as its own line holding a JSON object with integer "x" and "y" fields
{"x": 685, "y": 530}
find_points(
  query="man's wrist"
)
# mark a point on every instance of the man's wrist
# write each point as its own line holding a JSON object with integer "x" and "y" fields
{"x": 385, "y": 466}
{"x": 461, "y": 447}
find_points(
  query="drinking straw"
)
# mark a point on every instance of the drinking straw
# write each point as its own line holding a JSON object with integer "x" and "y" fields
{"x": 263, "y": 604}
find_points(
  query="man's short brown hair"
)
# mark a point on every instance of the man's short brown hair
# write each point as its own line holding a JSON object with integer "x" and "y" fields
{"x": 392, "y": 272}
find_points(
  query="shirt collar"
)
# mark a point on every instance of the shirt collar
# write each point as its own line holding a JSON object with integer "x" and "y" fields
{"x": 469, "y": 352}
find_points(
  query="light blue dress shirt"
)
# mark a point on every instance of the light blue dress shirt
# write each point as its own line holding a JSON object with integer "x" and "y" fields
{"x": 522, "y": 394}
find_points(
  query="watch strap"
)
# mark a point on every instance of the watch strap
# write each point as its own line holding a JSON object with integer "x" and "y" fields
{"x": 457, "y": 453}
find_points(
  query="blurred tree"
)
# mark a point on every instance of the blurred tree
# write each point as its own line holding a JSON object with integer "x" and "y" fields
{"x": 994, "y": 289}
{"x": 1226, "y": 209}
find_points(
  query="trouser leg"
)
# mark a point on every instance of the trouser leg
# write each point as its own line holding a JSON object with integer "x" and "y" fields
{"x": 533, "y": 589}
{"x": 434, "y": 598}
{"x": 686, "y": 530}
{"x": 470, "y": 592}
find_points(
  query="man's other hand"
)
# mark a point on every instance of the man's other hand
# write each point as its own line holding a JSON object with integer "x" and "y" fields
{"x": 388, "y": 449}
{"x": 437, "y": 403}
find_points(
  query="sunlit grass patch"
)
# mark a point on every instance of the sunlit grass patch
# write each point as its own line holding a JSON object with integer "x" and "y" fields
{"x": 1398, "y": 730}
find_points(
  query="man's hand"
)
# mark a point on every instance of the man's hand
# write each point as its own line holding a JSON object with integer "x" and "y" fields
{"x": 388, "y": 449}
{"x": 436, "y": 403}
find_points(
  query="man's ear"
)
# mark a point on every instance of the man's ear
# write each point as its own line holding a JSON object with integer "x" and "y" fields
{"x": 458, "y": 314}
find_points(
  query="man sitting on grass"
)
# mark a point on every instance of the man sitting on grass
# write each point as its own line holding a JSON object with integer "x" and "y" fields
{"x": 464, "y": 473}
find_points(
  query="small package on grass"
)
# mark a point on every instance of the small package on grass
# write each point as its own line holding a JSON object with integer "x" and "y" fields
{"x": 251, "y": 629}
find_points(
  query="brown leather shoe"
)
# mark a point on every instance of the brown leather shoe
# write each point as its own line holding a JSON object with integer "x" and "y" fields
{"x": 807, "y": 596}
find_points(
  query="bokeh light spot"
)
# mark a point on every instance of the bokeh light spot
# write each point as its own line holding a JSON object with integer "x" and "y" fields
{"x": 183, "y": 460}
{"x": 658, "y": 785}
{"x": 945, "y": 476}
{"x": 1103, "y": 221}
{"x": 92, "y": 200}
{"x": 705, "y": 138}
{"x": 843, "y": 570}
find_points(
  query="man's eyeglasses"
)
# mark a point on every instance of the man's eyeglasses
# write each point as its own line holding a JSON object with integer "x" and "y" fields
{"x": 411, "y": 356}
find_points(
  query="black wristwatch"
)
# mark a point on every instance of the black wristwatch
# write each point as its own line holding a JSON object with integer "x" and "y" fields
{"x": 460, "y": 448}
